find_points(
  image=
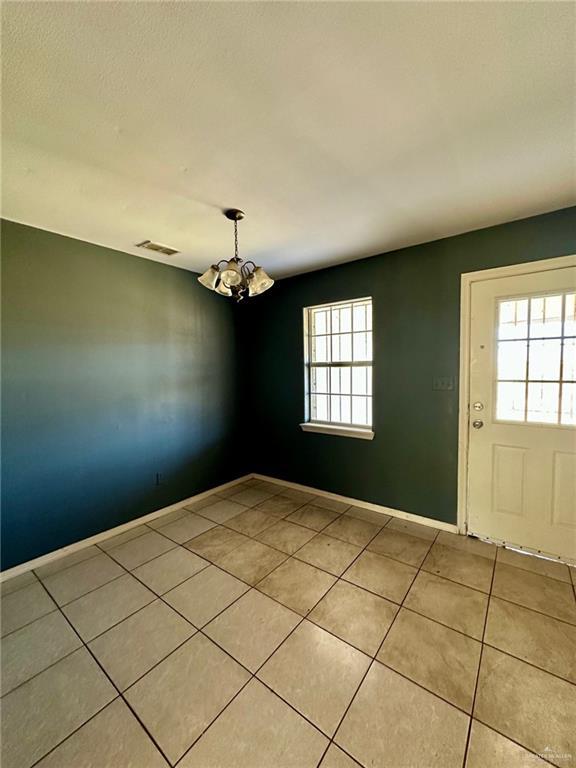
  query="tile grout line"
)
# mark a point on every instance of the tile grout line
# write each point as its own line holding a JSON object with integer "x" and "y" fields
{"x": 85, "y": 644}
{"x": 316, "y": 533}
{"x": 484, "y": 644}
{"x": 29, "y": 623}
{"x": 372, "y": 662}
{"x": 310, "y": 611}
{"x": 115, "y": 687}
{"x": 250, "y": 587}
{"x": 84, "y": 594}
{"x": 254, "y": 674}
{"x": 97, "y": 544}
{"x": 254, "y": 586}
{"x": 477, "y": 680}
{"x": 121, "y": 693}
{"x": 513, "y": 740}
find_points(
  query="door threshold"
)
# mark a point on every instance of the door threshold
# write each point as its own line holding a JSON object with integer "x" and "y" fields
{"x": 525, "y": 550}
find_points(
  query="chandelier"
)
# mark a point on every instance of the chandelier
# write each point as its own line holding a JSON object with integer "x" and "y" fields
{"x": 234, "y": 277}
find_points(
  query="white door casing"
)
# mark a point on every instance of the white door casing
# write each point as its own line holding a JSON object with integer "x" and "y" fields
{"x": 517, "y": 470}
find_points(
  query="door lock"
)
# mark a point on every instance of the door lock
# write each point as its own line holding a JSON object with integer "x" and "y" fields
{"x": 478, "y": 406}
{"x": 477, "y": 424}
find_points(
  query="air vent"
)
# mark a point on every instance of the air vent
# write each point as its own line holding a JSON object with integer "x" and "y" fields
{"x": 165, "y": 249}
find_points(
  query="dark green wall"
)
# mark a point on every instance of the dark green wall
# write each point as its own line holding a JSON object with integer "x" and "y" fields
{"x": 117, "y": 368}
{"x": 411, "y": 464}
{"x": 114, "y": 369}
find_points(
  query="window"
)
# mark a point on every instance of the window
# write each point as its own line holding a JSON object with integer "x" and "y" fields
{"x": 536, "y": 360}
{"x": 338, "y": 353}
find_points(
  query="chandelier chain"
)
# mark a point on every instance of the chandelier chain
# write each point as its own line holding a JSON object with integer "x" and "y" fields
{"x": 236, "y": 239}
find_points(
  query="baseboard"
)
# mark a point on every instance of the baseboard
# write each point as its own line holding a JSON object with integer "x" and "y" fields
{"x": 366, "y": 504}
{"x": 78, "y": 545}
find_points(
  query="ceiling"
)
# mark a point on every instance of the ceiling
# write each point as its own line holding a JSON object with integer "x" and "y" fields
{"x": 343, "y": 129}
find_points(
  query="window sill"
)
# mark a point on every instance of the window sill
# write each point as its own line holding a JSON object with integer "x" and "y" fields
{"x": 340, "y": 430}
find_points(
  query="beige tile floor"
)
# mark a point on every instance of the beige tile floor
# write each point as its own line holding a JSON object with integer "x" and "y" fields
{"x": 265, "y": 627}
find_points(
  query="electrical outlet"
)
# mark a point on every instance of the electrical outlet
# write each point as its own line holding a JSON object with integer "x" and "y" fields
{"x": 443, "y": 383}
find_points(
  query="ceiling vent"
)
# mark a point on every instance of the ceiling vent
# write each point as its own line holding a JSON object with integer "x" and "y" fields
{"x": 158, "y": 247}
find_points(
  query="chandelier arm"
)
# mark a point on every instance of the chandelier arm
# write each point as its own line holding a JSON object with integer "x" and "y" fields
{"x": 246, "y": 272}
{"x": 222, "y": 261}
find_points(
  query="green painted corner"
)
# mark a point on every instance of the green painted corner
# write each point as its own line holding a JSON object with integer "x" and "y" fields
{"x": 411, "y": 464}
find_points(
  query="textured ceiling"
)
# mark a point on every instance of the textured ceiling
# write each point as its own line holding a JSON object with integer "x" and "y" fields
{"x": 342, "y": 129}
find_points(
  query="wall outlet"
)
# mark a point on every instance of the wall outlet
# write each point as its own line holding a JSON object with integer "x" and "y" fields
{"x": 443, "y": 383}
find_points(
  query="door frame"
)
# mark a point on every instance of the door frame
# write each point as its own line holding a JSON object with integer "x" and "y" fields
{"x": 467, "y": 280}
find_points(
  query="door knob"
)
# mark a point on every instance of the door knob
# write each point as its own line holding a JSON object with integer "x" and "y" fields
{"x": 477, "y": 424}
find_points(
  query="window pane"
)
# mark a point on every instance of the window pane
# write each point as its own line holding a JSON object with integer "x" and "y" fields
{"x": 342, "y": 348}
{"x": 569, "y": 360}
{"x": 543, "y": 403}
{"x": 335, "y": 380}
{"x": 568, "y": 414}
{"x": 345, "y": 377}
{"x": 340, "y": 409}
{"x": 321, "y": 349}
{"x": 359, "y": 411}
{"x": 512, "y": 359}
{"x": 320, "y": 379}
{"x": 344, "y": 322}
{"x": 319, "y": 321}
{"x": 319, "y": 407}
{"x": 546, "y": 316}
{"x": 342, "y": 319}
{"x": 335, "y": 408}
{"x": 361, "y": 381}
{"x": 336, "y": 320}
{"x": 345, "y": 410}
{"x": 510, "y": 401}
{"x": 513, "y": 319}
{"x": 360, "y": 317}
{"x": 362, "y": 346}
{"x": 369, "y": 316}
{"x": 570, "y": 315}
{"x": 544, "y": 360}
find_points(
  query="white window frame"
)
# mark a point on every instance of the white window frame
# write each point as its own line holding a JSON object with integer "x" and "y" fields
{"x": 332, "y": 428}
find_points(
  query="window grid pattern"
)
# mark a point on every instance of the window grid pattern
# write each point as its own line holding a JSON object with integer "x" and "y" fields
{"x": 536, "y": 360}
{"x": 340, "y": 363}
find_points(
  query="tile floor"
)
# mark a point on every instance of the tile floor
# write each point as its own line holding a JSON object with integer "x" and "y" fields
{"x": 269, "y": 628}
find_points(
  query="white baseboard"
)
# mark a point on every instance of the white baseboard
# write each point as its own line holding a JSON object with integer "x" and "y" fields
{"x": 78, "y": 545}
{"x": 366, "y": 504}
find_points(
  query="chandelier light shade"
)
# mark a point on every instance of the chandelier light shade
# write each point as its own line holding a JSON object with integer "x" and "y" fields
{"x": 223, "y": 289}
{"x": 209, "y": 278}
{"x": 259, "y": 282}
{"x": 234, "y": 277}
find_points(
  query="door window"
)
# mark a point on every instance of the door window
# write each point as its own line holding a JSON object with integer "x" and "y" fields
{"x": 536, "y": 360}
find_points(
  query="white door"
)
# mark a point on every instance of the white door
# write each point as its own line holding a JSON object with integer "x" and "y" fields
{"x": 522, "y": 410}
